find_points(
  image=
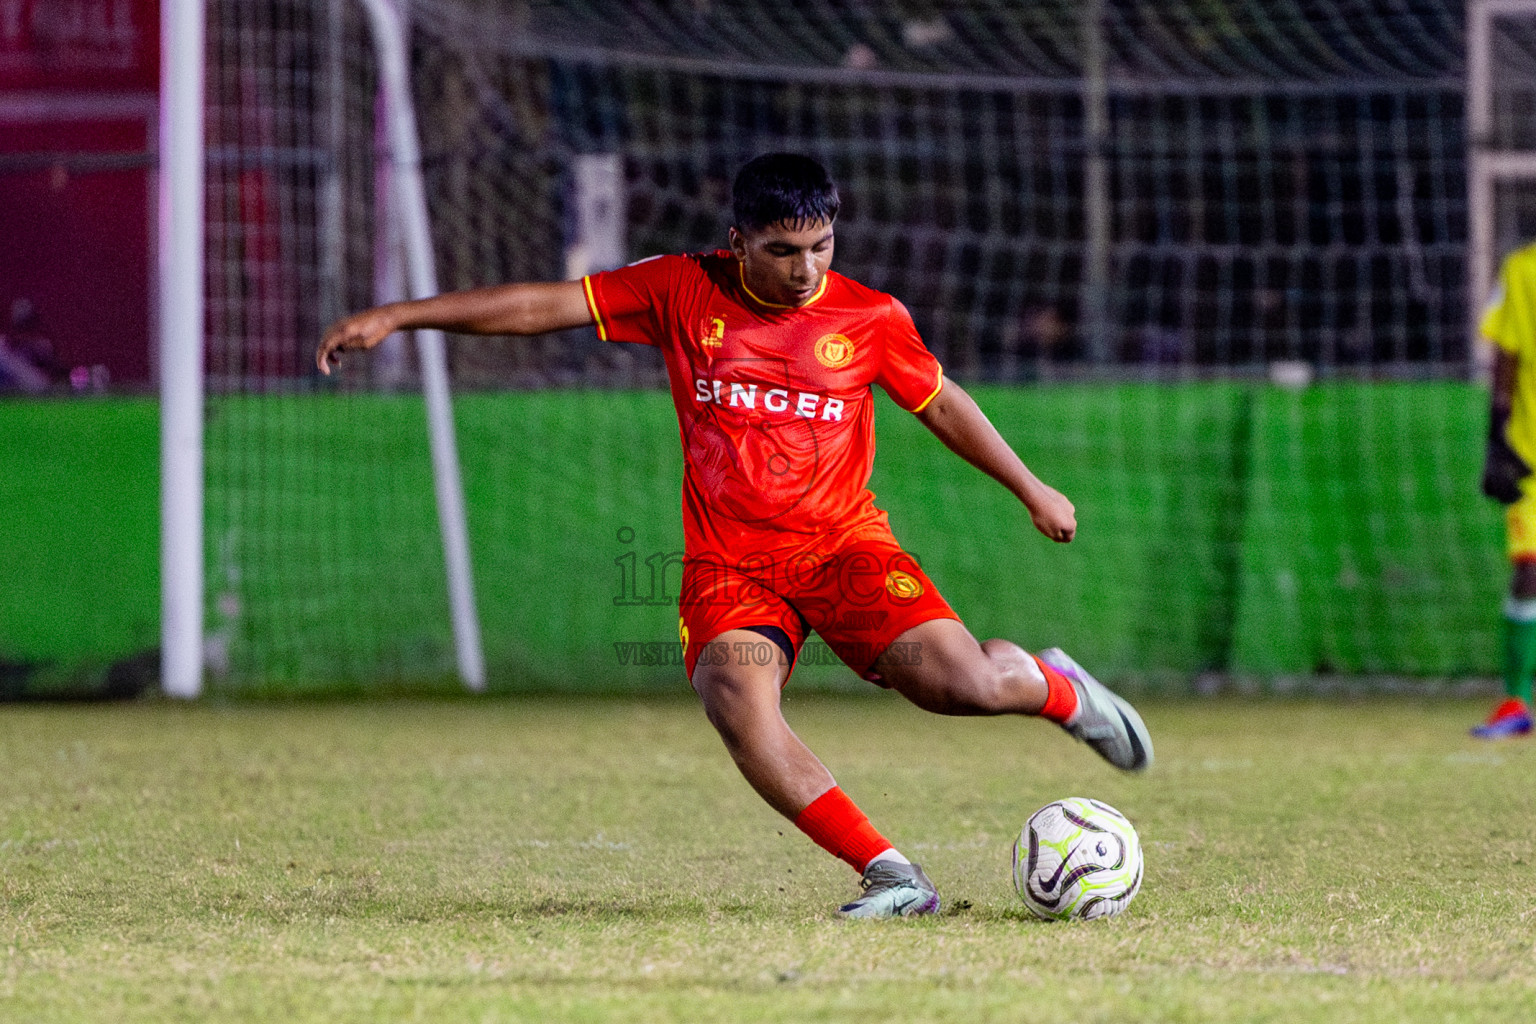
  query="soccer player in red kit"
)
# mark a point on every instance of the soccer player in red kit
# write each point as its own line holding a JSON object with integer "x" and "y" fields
{"x": 770, "y": 356}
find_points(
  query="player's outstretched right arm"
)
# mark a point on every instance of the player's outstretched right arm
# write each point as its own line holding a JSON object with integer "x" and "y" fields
{"x": 526, "y": 308}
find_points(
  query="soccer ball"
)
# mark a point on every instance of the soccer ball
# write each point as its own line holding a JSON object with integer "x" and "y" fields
{"x": 1077, "y": 858}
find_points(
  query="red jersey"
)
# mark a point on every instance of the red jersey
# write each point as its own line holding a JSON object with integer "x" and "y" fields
{"x": 773, "y": 402}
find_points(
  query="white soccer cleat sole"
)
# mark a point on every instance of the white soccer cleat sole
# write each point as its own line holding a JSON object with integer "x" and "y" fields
{"x": 1105, "y": 721}
{"x": 893, "y": 890}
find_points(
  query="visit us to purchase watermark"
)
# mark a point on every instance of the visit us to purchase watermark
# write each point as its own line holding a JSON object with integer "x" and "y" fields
{"x": 645, "y": 653}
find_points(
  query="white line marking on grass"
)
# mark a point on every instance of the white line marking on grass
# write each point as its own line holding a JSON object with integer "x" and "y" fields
{"x": 1469, "y": 757}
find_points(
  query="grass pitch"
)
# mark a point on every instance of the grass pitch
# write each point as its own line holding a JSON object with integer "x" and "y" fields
{"x": 588, "y": 860}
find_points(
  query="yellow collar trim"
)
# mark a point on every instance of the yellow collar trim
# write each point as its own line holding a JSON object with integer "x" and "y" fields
{"x": 741, "y": 270}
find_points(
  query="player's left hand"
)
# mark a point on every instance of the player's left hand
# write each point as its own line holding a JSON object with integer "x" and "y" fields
{"x": 1503, "y": 469}
{"x": 1053, "y": 514}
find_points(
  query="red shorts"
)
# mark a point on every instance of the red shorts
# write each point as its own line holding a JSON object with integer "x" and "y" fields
{"x": 859, "y": 597}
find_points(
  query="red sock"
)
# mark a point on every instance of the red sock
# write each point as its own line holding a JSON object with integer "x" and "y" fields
{"x": 836, "y": 824}
{"x": 1060, "y": 697}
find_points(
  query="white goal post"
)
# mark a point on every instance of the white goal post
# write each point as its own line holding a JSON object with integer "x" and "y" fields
{"x": 181, "y": 338}
{"x": 1489, "y": 164}
{"x": 180, "y": 248}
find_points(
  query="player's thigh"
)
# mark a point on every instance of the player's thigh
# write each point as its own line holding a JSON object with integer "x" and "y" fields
{"x": 716, "y": 599}
{"x": 938, "y": 665}
{"x": 865, "y": 597}
{"x": 739, "y": 676}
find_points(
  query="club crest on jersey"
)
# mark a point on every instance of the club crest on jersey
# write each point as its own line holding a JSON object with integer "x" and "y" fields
{"x": 834, "y": 351}
{"x": 713, "y": 337}
{"x": 902, "y": 585}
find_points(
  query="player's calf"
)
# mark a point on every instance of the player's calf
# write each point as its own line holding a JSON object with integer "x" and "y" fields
{"x": 944, "y": 670}
{"x": 741, "y": 700}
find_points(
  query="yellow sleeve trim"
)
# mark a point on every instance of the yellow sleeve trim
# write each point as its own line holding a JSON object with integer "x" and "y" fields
{"x": 932, "y": 394}
{"x": 597, "y": 318}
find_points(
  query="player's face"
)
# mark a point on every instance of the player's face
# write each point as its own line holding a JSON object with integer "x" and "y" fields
{"x": 784, "y": 263}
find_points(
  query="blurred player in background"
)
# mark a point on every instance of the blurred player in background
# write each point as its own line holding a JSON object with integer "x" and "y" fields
{"x": 1510, "y": 323}
{"x": 770, "y": 356}
{"x": 27, "y": 360}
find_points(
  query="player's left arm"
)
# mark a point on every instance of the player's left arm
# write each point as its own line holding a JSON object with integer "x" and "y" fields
{"x": 955, "y": 419}
{"x": 1503, "y": 468}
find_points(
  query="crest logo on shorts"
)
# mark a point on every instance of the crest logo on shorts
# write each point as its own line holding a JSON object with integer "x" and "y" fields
{"x": 834, "y": 351}
{"x": 902, "y": 585}
{"x": 682, "y": 632}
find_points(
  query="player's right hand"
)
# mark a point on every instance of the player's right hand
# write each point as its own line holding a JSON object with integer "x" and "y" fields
{"x": 358, "y": 331}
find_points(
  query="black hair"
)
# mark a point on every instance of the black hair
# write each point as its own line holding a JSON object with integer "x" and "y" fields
{"x": 783, "y": 188}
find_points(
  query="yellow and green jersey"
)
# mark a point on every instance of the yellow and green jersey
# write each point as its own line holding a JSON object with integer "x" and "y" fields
{"x": 1510, "y": 323}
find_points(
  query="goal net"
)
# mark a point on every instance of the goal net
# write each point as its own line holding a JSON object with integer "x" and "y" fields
{"x": 1205, "y": 264}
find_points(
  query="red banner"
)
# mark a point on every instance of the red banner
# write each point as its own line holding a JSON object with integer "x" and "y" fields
{"x": 76, "y": 247}
{"x": 80, "y": 44}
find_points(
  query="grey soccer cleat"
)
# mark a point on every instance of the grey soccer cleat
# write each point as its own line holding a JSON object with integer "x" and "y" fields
{"x": 1104, "y": 721}
{"x": 893, "y": 890}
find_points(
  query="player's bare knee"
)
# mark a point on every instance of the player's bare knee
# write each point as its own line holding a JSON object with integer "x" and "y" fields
{"x": 721, "y": 690}
{"x": 724, "y": 709}
{"x": 736, "y": 700}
